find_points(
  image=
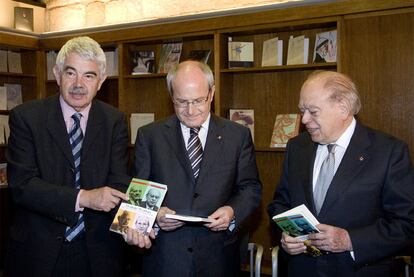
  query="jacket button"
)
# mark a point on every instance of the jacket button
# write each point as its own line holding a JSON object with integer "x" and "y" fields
{"x": 190, "y": 249}
{"x": 195, "y": 195}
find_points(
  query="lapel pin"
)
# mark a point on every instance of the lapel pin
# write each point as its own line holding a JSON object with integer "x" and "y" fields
{"x": 361, "y": 158}
{"x": 219, "y": 137}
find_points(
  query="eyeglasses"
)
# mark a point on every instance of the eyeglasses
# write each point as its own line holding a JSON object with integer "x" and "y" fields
{"x": 185, "y": 103}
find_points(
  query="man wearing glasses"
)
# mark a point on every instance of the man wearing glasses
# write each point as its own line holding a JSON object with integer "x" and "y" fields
{"x": 210, "y": 168}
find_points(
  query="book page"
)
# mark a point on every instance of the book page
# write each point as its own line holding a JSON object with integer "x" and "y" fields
{"x": 187, "y": 218}
{"x": 3, "y": 98}
{"x": 296, "y": 50}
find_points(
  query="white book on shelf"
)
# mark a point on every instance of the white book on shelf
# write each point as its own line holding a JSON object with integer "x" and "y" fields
{"x": 111, "y": 63}
{"x": 3, "y": 60}
{"x": 14, "y": 95}
{"x": 298, "y": 50}
{"x": 14, "y": 61}
{"x": 138, "y": 120}
{"x": 272, "y": 54}
{"x": 3, "y": 98}
{"x": 50, "y": 63}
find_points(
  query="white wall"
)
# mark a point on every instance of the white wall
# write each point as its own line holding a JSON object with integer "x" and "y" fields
{"x": 7, "y": 15}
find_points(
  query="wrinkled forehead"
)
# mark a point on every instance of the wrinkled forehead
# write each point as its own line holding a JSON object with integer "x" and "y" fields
{"x": 313, "y": 93}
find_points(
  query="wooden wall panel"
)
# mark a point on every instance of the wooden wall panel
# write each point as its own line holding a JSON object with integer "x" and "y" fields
{"x": 378, "y": 56}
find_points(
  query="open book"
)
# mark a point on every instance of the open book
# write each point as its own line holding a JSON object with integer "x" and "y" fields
{"x": 187, "y": 218}
{"x": 140, "y": 212}
{"x": 297, "y": 222}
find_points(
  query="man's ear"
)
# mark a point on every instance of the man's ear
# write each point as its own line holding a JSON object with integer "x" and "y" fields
{"x": 345, "y": 109}
{"x": 103, "y": 78}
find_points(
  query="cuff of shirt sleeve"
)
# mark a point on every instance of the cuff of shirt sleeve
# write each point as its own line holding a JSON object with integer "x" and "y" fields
{"x": 77, "y": 207}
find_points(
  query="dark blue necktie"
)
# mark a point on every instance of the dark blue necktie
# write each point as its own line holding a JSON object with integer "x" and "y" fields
{"x": 76, "y": 139}
{"x": 195, "y": 151}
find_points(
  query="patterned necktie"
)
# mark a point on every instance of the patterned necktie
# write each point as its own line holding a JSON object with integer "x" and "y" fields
{"x": 76, "y": 139}
{"x": 195, "y": 151}
{"x": 325, "y": 177}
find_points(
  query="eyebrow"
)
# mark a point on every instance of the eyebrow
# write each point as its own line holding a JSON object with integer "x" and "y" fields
{"x": 72, "y": 68}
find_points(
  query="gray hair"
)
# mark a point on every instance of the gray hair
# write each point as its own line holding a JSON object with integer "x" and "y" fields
{"x": 85, "y": 47}
{"x": 342, "y": 88}
{"x": 202, "y": 66}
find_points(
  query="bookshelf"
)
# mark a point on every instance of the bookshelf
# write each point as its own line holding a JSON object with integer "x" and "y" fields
{"x": 374, "y": 48}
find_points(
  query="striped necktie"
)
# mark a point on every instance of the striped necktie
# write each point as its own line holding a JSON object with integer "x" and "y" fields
{"x": 195, "y": 151}
{"x": 76, "y": 139}
{"x": 325, "y": 177}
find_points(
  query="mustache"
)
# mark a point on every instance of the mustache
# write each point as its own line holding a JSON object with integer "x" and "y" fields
{"x": 77, "y": 90}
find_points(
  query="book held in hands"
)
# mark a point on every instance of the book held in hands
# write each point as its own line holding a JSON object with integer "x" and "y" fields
{"x": 140, "y": 211}
{"x": 325, "y": 47}
{"x": 244, "y": 117}
{"x": 286, "y": 127}
{"x": 298, "y": 222}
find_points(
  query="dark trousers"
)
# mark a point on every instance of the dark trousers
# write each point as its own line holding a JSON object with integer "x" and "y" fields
{"x": 73, "y": 260}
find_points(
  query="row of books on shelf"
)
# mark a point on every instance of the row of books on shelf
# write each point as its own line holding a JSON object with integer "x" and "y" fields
{"x": 144, "y": 60}
{"x": 241, "y": 53}
{"x": 111, "y": 63}
{"x": 286, "y": 125}
{"x": 10, "y": 61}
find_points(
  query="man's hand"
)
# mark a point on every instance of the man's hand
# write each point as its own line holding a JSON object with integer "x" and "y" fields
{"x": 291, "y": 245}
{"x": 332, "y": 239}
{"x": 167, "y": 224}
{"x": 221, "y": 218}
{"x": 133, "y": 237}
{"x": 101, "y": 199}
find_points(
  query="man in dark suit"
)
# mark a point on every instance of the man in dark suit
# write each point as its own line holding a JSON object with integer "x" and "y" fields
{"x": 151, "y": 199}
{"x": 219, "y": 180}
{"x": 367, "y": 212}
{"x": 67, "y": 169}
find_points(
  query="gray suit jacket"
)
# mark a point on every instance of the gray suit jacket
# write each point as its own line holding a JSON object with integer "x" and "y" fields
{"x": 228, "y": 176}
{"x": 41, "y": 180}
{"x": 371, "y": 196}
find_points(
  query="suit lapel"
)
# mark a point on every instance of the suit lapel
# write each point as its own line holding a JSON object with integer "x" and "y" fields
{"x": 352, "y": 163}
{"x": 95, "y": 121}
{"x": 309, "y": 152}
{"x": 213, "y": 145}
{"x": 57, "y": 129}
{"x": 174, "y": 137}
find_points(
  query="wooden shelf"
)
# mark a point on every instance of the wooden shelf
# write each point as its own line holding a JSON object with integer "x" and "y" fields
{"x": 270, "y": 149}
{"x": 20, "y": 75}
{"x": 146, "y": 76}
{"x": 280, "y": 68}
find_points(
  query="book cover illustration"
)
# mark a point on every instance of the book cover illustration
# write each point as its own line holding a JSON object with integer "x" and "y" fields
{"x": 297, "y": 222}
{"x": 138, "y": 120}
{"x": 144, "y": 62}
{"x": 140, "y": 212}
{"x": 298, "y": 50}
{"x": 14, "y": 95}
{"x": 272, "y": 54}
{"x": 325, "y": 47}
{"x": 199, "y": 55}
{"x": 286, "y": 127}
{"x": 23, "y": 19}
{"x": 244, "y": 117}
{"x": 240, "y": 54}
{"x": 170, "y": 56}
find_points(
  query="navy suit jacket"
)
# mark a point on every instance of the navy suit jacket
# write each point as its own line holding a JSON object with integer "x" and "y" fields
{"x": 371, "y": 196}
{"x": 228, "y": 176}
{"x": 41, "y": 181}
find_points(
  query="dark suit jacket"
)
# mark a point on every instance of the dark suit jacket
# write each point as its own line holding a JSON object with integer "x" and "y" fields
{"x": 371, "y": 196}
{"x": 228, "y": 176}
{"x": 41, "y": 181}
